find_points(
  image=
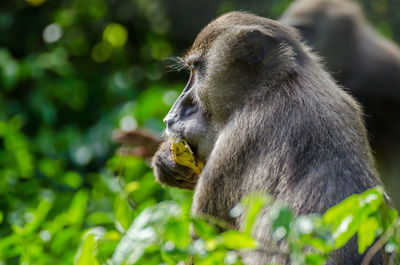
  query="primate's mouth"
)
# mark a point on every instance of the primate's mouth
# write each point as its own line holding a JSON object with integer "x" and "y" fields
{"x": 168, "y": 133}
{"x": 182, "y": 154}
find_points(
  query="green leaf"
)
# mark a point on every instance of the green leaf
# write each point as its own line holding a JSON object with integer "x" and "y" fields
{"x": 8, "y": 241}
{"x": 101, "y": 218}
{"x": 337, "y": 213}
{"x": 233, "y": 239}
{"x": 281, "y": 216}
{"x": 86, "y": 254}
{"x": 40, "y": 214}
{"x": 356, "y": 204}
{"x": 143, "y": 232}
{"x": 323, "y": 244}
{"x": 254, "y": 204}
{"x": 315, "y": 259}
{"x": 77, "y": 208}
{"x": 123, "y": 211}
{"x": 373, "y": 197}
{"x": 346, "y": 230}
{"x": 203, "y": 229}
{"x": 366, "y": 233}
{"x": 388, "y": 216}
{"x": 177, "y": 231}
{"x": 213, "y": 258}
{"x": 368, "y": 201}
{"x": 347, "y": 216}
{"x": 168, "y": 258}
{"x": 72, "y": 179}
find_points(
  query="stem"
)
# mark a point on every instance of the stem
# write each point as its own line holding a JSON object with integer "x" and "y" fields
{"x": 376, "y": 247}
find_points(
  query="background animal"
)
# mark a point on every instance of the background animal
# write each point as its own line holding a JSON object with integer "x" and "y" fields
{"x": 365, "y": 63}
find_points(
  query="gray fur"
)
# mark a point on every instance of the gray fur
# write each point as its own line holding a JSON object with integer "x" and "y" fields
{"x": 277, "y": 123}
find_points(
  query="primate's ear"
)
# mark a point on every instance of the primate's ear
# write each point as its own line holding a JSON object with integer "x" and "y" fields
{"x": 254, "y": 45}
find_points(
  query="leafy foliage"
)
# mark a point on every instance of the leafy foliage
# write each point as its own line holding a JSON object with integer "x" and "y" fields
{"x": 161, "y": 233}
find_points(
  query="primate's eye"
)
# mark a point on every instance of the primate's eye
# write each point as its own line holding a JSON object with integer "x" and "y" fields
{"x": 196, "y": 64}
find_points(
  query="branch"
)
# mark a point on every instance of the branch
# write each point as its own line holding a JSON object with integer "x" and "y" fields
{"x": 376, "y": 247}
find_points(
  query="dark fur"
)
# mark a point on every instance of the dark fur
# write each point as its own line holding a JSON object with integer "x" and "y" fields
{"x": 361, "y": 60}
{"x": 266, "y": 117}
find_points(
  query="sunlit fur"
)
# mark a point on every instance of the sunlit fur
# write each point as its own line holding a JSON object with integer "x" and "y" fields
{"x": 267, "y": 118}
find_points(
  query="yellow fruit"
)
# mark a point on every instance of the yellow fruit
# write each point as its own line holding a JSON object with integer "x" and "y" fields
{"x": 183, "y": 155}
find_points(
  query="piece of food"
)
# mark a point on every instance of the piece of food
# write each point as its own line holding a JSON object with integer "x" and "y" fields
{"x": 183, "y": 155}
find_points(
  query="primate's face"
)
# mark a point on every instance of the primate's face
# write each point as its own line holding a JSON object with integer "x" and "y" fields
{"x": 222, "y": 63}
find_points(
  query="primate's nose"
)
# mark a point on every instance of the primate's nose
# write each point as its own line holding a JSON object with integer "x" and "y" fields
{"x": 169, "y": 121}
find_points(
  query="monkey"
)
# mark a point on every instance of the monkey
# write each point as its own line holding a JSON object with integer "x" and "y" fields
{"x": 264, "y": 116}
{"x": 362, "y": 61}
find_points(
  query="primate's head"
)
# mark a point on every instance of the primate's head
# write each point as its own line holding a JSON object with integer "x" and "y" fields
{"x": 315, "y": 18}
{"x": 329, "y": 26}
{"x": 235, "y": 58}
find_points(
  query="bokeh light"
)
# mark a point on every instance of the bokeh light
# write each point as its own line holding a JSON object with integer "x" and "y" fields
{"x": 35, "y": 2}
{"x": 115, "y": 34}
{"x": 52, "y": 33}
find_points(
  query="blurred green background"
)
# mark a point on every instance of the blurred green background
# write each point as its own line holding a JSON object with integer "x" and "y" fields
{"x": 71, "y": 71}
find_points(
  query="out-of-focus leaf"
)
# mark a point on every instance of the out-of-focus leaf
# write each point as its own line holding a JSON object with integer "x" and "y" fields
{"x": 6, "y": 242}
{"x": 216, "y": 257}
{"x": 388, "y": 216}
{"x": 72, "y": 179}
{"x": 177, "y": 231}
{"x": 254, "y": 204}
{"x": 132, "y": 186}
{"x": 142, "y": 233}
{"x": 39, "y": 215}
{"x": 320, "y": 244}
{"x": 366, "y": 233}
{"x": 101, "y": 52}
{"x": 237, "y": 240}
{"x": 101, "y": 218}
{"x": 367, "y": 202}
{"x": 281, "y": 216}
{"x": 315, "y": 259}
{"x": 336, "y": 214}
{"x": 123, "y": 211}
{"x": 168, "y": 258}
{"x": 346, "y": 230}
{"x": 203, "y": 229}
{"x": 86, "y": 254}
{"x": 77, "y": 208}
{"x": 347, "y": 216}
